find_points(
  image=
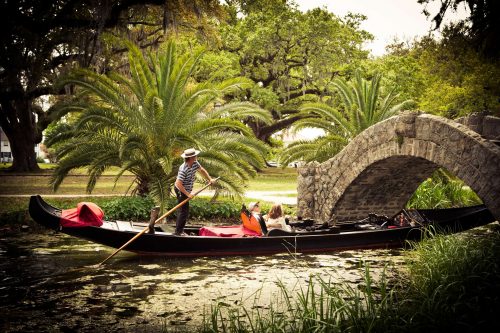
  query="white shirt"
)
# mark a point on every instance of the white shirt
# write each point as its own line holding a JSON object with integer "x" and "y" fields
{"x": 279, "y": 220}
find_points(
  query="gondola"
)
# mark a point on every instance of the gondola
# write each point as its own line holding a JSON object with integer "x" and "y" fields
{"x": 373, "y": 232}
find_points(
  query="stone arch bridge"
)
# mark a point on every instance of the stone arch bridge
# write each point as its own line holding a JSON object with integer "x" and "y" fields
{"x": 382, "y": 167}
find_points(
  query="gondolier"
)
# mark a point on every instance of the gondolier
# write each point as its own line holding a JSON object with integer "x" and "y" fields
{"x": 184, "y": 185}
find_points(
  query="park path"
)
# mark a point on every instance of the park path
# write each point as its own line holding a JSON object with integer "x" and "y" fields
{"x": 284, "y": 197}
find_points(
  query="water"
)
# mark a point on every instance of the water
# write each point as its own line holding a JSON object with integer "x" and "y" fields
{"x": 47, "y": 283}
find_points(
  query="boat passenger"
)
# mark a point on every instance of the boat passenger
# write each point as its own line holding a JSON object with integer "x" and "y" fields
{"x": 254, "y": 209}
{"x": 276, "y": 218}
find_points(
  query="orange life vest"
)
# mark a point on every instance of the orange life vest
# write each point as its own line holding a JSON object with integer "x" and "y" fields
{"x": 251, "y": 222}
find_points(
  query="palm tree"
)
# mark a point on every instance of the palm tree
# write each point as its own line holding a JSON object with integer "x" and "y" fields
{"x": 363, "y": 106}
{"x": 142, "y": 122}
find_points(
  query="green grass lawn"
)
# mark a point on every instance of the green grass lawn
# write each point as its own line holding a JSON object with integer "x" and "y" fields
{"x": 16, "y": 184}
{"x": 269, "y": 179}
{"x": 274, "y": 179}
{"x": 47, "y": 167}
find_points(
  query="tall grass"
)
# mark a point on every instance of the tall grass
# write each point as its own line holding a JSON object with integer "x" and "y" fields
{"x": 454, "y": 283}
{"x": 451, "y": 283}
{"x": 320, "y": 306}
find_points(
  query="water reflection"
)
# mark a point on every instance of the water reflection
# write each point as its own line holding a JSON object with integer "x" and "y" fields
{"x": 48, "y": 283}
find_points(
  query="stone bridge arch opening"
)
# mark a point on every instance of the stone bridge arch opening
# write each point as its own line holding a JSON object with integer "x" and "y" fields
{"x": 383, "y": 166}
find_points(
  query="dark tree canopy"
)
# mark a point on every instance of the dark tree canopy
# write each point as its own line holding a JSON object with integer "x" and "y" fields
{"x": 40, "y": 39}
{"x": 483, "y": 20}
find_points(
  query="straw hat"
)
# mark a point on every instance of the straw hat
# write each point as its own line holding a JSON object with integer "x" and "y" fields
{"x": 190, "y": 153}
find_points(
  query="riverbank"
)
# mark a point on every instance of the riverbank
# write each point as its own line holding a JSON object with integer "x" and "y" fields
{"x": 271, "y": 185}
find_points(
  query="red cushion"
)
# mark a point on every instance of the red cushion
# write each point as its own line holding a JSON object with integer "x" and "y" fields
{"x": 85, "y": 214}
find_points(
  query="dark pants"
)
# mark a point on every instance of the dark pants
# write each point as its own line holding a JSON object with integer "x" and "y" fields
{"x": 182, "y": 212}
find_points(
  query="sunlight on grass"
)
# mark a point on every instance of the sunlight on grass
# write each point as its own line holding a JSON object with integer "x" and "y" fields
{"x": 274, "y": 179}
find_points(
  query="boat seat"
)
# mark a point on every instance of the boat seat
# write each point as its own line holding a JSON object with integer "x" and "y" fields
{"x": 125, "y": 226}
{"x": 166, "y": 228}
{"x": 109, "y": 225}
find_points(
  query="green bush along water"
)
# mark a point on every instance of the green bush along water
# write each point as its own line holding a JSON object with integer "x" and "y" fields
{"x": 128, "y": 208}
{"x": 443, "y": 190}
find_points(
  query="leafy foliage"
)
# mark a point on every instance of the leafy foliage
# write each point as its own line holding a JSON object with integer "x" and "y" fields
{"x": 41, "y": 40}
{"x": 143, "y": 122}
{"x": 443, "y": 190}
{"x": 133, "y": 208}
{"x": 447, "y": 77}
{"x": 137, "y": 208}
{"x": 290, "y": 53}
{"x": 460, "y": 80}
{"x": 363, "y": 106}
{"x": 483, "y": 27}
{"x": 402, "y": 72}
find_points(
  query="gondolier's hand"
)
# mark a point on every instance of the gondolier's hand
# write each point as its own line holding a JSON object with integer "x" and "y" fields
{"x": 212, "y": 181}
{"x": 190, "y": 195}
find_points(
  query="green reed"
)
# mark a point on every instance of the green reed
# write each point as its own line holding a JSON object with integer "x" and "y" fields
{"x": 451, "y": 282}
{"x": 320, "y": 306}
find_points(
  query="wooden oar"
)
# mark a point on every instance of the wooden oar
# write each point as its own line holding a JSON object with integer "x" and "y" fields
{"x": 157, "y": 220}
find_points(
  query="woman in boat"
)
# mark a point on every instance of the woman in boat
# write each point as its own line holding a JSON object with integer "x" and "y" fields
{"x": 276, "y": 218}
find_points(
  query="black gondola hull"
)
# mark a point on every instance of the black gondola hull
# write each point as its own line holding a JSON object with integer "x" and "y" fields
{"x": 453, "y": 220}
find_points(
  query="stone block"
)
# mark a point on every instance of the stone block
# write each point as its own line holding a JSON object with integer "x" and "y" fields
{"x": 429, "y": 153}
{"x": 420, "y": 148}
{"x": 407, "y": 147}
{"x": 405, "y": 130}
{"x": 466, "y": 173}
{"x": 491, "y": 128}
{"x": 422, "y": 128}
{"x": 436, "y": 133}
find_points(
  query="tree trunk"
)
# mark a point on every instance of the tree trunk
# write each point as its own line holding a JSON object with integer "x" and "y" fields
{"x": 142, "y": 188}
{"x": 23, "y": 153}
{"x": 18, "y": 123}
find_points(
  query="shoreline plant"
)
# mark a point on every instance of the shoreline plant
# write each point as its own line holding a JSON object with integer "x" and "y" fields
{"x": 450, "y": 283}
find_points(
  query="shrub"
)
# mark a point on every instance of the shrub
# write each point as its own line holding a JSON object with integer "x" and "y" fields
{"x": 128, "y": 208}
{"x": 443, "y": 190}
{"x": 139, "y": 208}
{"x": 12, "y": 210}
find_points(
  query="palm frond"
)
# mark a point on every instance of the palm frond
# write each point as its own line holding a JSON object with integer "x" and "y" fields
{"x": 362, "y": 109}
{"x": 243, "y": 111}
{"x": 142, "y": 122}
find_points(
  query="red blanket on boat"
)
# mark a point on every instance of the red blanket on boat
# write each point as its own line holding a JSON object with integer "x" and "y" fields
{"x": 85, "y": 214}
{"x": 228, "y": 231}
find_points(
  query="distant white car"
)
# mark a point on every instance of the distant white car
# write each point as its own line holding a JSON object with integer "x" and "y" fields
{"x": 273, "y": 164}
{"x": 295, "y": 164}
